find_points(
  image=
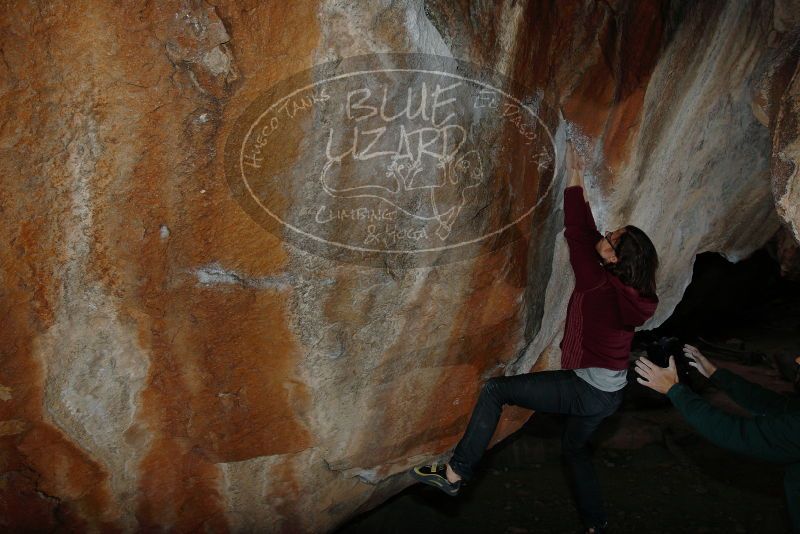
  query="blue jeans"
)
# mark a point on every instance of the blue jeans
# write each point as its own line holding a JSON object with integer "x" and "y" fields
{"x": 559, "y": 392}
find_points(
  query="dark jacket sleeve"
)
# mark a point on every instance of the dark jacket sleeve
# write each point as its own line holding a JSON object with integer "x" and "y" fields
{"x": 773, "y": 438}
{"x": 582, "y": 236}
{"x": 752, "y": 397}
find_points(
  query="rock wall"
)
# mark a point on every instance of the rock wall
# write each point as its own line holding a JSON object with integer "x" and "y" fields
{"x": 170, "y": 363}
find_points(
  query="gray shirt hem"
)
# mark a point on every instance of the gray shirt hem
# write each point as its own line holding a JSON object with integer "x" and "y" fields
{"x": 604, "y": 379}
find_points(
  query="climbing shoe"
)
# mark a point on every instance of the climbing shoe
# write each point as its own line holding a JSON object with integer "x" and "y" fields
{"x": 436, "y": 475}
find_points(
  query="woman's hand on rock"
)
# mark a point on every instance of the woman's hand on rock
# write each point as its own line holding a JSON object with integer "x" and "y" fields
{"x": 574, "y": 165}
{"x": 574, "y": 161}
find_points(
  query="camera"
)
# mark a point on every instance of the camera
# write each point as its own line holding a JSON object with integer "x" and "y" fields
{"x": 660, "y": 350}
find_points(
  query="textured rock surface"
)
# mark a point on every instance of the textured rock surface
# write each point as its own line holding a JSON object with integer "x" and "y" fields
{"x": 167, "y": 363}
{"x": 780, "y": 110}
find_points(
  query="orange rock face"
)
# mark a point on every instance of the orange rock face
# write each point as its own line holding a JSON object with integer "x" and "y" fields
{"x": 174, "y": 360}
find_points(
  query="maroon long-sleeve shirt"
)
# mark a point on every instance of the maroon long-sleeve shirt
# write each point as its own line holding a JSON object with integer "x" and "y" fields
{"x": 602, "y": 313}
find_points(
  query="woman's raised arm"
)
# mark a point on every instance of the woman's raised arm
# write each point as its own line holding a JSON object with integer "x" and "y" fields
{"x": 574, "y": 165}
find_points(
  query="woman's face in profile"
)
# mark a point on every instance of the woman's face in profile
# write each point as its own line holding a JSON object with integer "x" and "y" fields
{"x": 605, "y": 247}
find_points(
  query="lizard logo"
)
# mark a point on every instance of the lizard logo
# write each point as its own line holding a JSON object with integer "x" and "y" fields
{"x": 405, "y": 158}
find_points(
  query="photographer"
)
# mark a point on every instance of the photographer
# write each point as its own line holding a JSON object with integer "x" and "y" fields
{"x": 773, "y": 434}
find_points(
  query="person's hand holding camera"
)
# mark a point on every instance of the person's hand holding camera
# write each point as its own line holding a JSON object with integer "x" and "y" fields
{"x": 699, "y": 362}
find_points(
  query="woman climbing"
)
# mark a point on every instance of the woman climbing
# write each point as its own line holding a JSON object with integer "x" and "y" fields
{"x": 615, "y": 291}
